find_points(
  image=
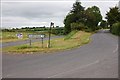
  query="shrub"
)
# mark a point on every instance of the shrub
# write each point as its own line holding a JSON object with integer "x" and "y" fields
{"x": 77, "y": 26}
{"x": 115, "y": 29}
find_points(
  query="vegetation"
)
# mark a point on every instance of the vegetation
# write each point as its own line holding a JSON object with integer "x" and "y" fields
{"x": 113, "y": 16}
{"x": 12, "y": 36}
{"x": 74, "y": 39}
{"x": 8, "y": 35}
{"x": 113, "y": 19}
{"x": 80, "y": 19}
{"x": 116, "y": 28}
{"x": 103, "y": 24}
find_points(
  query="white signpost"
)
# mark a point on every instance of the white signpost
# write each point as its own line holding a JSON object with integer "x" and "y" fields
{"x": 36, "y": 36}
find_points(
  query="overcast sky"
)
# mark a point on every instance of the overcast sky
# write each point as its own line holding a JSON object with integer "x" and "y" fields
{"x": 17, "y": 13}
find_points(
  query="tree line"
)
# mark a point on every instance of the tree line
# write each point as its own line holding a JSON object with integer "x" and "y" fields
{"x": 80, "y": 18}
{"x": 113, "y": 19}
{"x": 56, "y": 30}
{"x": 90, "y": 19}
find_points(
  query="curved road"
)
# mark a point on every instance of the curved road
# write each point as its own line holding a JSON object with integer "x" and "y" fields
{"x": 98, "y": 59}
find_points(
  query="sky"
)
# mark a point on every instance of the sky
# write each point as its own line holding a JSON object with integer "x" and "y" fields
{"x": 28, "y": 13}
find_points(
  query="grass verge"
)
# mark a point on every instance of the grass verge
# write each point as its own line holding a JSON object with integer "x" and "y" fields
{"x": 74, "y": 39}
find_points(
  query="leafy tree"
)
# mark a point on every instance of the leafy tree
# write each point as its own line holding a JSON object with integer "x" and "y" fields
{"x": 67, "y": 21}
{"x": 77, "y": 26}
{"x": 113, "y": 16}
{"x": 77, "y": 8}
{"x": 75, "y": 15}
{"x": 93, "y": 17}
{"x": 103, "y": 24}
{"x": 90, "y": 17}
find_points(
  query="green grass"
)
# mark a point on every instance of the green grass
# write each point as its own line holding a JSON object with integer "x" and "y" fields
{"x": 11, "y": 36}
{"x": 78, "y": 39}
{"x": 70, "y": 35}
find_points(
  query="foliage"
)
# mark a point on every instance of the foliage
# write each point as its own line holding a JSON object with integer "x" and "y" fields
{"x": 26, "y": 47}
{"x": 79, "y": 18}
{"x": 116, "y": 28}
{"x": 93, "y": 17}
{"x": 75, "y": 15}
{"x": 58, "y": 31}
{"x": 113, "y": 16}
{"x": 67, "y": 21}
{"x": 77, "y": 26}
{"x": 77, "y": 8}
{"x": 103, "y": 24}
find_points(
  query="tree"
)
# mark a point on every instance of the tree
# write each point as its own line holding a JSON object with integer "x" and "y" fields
{"x": 67, "y": 21}
{"x": 75, "y": 15}
{"x": 103, "y": 24}
{"x": 93, "y": 17}
{"x": 77, "y": 8}
{"x": 113, "y": 16}
{"x": 77, "y": 26}
{"x": 89, "y": 17}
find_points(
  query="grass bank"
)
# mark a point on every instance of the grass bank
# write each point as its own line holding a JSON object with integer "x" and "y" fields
{"x": 74, "y": 39}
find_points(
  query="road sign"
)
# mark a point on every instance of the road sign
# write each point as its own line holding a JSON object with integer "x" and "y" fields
{"x": 20, "y": 35}
{"x": 36, "y": 36}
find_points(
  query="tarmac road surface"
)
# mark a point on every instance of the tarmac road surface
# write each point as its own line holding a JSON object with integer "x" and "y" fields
{"x": 98, "y": 59}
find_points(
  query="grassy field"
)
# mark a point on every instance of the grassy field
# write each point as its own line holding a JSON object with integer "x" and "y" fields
{"x": 11, "y": 36}
{"x": 73, "y": 40}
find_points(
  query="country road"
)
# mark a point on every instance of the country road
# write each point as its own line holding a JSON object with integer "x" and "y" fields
{"x": 98, "y": 59}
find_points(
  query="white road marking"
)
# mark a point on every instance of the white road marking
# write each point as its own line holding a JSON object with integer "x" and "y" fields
{"x": 84, "y": 66}
{"x": 116, "y": 49}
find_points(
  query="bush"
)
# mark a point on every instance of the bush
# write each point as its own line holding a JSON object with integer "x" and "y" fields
{"x": 115, "y": 29}
{"x": 77, "y": 26}
{"x": 57, "y": 31}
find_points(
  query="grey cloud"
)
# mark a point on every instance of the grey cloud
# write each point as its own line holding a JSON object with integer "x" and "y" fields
{"x": 37, "y": 13}
{"x": 33, "y": 10}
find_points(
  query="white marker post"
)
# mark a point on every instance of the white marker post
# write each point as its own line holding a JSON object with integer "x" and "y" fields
{"x": 30, "y": 37}
{"x": 42, "y": 36}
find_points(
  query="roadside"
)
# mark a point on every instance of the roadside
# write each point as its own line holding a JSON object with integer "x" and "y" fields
{"x": 74, "y": 39}
{"x": 15, "y": 43}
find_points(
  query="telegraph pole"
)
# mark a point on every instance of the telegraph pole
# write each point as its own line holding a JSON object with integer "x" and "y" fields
{"x": 51, "y": 24}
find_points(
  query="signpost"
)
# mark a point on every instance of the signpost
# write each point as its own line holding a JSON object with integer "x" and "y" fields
{"x": 51, "y": 24}
{"x": 36, "y": 36}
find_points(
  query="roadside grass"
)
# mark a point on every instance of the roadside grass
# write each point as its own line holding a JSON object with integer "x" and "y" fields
{"x": 11, "y": 36}
{"x": 78, "y": 39}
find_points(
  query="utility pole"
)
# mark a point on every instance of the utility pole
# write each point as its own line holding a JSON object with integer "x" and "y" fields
{"x": 51, "y": 24}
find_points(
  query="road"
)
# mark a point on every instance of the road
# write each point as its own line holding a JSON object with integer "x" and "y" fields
{"x": 98, "y": 59}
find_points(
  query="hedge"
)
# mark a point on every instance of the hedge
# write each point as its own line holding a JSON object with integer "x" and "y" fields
{"x": 115, "y": 29}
